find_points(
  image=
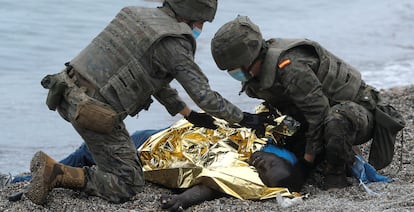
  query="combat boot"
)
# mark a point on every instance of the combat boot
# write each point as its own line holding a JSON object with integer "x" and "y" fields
{"x": 335, "y": 177}
{"x": 48, "y": 174}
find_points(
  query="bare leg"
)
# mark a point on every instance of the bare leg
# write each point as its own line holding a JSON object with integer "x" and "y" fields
{"x": 192, "y": 196}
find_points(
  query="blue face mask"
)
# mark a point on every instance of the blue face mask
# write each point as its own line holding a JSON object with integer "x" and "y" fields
{"x": 238, "y": 74}
{"x": 196, "y": 32}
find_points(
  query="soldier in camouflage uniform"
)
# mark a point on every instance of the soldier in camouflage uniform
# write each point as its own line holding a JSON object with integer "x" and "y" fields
{"x": 336, "y": 108}
{"x": 133, "y": 59}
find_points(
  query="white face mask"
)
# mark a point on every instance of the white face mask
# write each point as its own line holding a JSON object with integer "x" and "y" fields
{"x": 238, "y": 74}
{"x": 196, "y": 32}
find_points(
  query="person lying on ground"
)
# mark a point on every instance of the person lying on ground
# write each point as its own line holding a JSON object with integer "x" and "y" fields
{"x": 227, "y": 161}
{"x": 271, "y": 162}
{"x": 274, "y": 166}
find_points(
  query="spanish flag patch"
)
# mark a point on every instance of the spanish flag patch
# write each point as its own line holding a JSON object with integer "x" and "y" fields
{"x": 284, "y": 63}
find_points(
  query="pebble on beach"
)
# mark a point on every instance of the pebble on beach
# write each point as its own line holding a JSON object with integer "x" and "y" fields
{"x": 395, "y": 196}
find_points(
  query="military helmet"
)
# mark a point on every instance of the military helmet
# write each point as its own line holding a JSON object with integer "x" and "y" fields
{"x": 194, "y": 10}
{"x": 236, "y": 43}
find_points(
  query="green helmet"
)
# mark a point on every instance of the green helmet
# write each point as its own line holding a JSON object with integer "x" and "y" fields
{"x": 236, "y": 43}
{"x": 194, "y": 10}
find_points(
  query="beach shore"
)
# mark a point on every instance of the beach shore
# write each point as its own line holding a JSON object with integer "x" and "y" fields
{"x": 395, "y": 196}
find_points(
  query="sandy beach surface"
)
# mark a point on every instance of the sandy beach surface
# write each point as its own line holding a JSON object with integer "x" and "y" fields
{"x": 395, "y": 196}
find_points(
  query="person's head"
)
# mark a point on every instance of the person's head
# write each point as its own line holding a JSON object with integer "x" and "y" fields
{"x": 237, "y": 47}
{"x": 275, "y": 171}
{"x": 193, "y": 12}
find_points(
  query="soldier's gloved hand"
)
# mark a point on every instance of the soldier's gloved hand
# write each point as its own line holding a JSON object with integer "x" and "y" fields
{"x": 201, "y": 120}
{"x": 255, "y": 122}
{"x": 271, "y": 108}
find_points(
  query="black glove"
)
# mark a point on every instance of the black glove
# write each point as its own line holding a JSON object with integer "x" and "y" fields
{"x": 201, "y": 120}
{"x": 255, "y": 122}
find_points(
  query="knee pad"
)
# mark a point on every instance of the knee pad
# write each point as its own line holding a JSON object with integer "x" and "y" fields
{"x": 336, "y": 124}
{"x": 355, "y": 120}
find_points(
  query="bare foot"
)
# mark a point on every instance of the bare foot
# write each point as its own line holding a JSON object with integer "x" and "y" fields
{"x": 171, "y": 203}
{"x": 192, "y": 196}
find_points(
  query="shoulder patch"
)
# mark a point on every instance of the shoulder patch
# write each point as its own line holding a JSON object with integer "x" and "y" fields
{"x": 284, "y": 63}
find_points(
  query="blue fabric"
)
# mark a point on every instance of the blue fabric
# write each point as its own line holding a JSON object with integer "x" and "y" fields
{"x": 366, "y": 173}
{"x": 79, "y": 158}
{"x": 21, "y": 178}
{"x": 140, "y": 136}
{"x": 280, "y": 152}
{"x": 82, "y": 157}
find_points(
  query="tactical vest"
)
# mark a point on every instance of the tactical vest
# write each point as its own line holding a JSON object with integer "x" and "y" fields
{"x": 339, "y": 80}
{"x": 112, "y": 61}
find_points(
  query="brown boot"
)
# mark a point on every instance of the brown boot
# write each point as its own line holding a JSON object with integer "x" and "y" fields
{"x": 48, "y": 174}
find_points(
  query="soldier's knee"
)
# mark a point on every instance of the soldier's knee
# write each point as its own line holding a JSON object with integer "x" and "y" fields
{"x": 350, "y": 119}
{"x": 336, "y": 124}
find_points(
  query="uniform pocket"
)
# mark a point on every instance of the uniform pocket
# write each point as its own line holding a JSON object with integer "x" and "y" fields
{"x": 388, "y": 123}
{"x": 95, "y": 116}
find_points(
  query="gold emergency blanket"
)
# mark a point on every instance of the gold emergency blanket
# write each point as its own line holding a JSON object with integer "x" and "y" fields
{"x": 182, "y": 156}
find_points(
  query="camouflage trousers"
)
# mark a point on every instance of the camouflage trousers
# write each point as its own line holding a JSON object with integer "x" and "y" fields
{"x": 347, "y": 124}
{"x": 118, "y": 174}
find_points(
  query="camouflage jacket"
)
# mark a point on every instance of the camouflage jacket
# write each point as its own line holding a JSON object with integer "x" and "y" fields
{"x": 302, "y": 79}
{"x": 136, "y": 57}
